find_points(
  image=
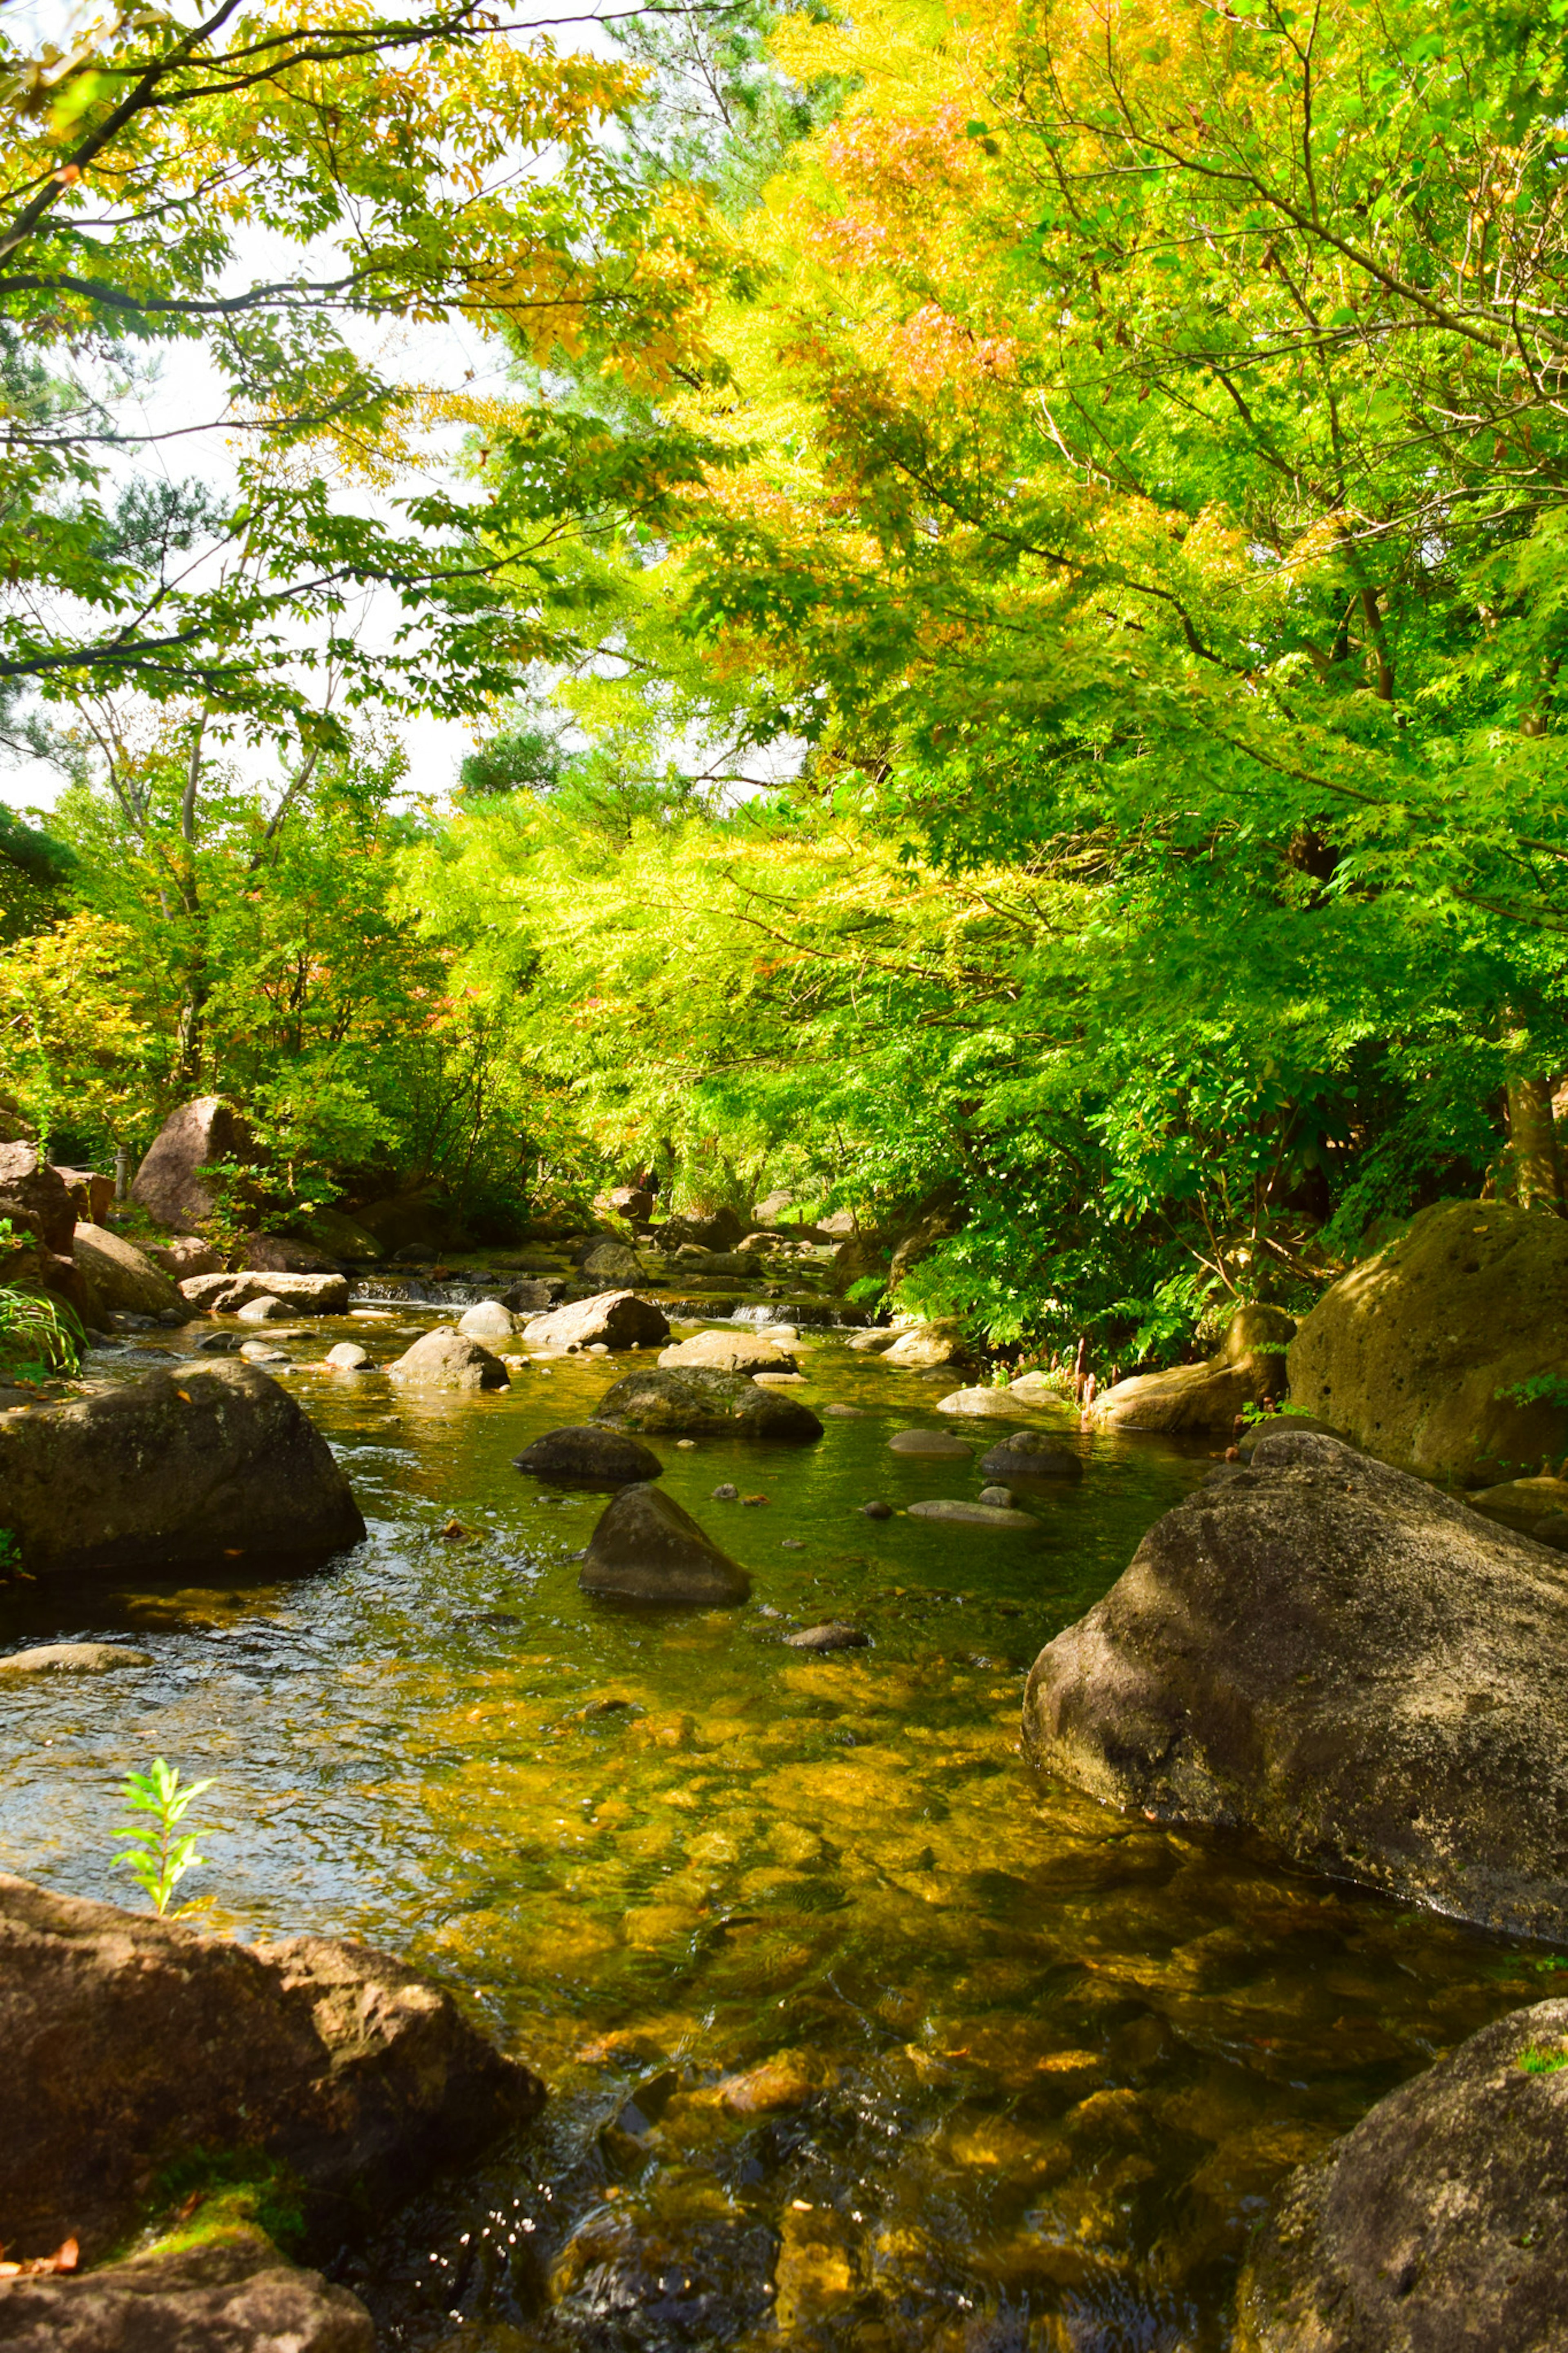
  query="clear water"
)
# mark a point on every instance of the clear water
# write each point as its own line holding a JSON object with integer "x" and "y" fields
{"x": 860, "y": 2033}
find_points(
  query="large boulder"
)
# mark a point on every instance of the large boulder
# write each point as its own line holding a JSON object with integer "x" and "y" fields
{"x": 120, "y": 1277}
{"x": 1415, "y": 1352}
{"x": 730, "y": 1352}
{"x": 699, "y": 1401}
{"x": 42, "y": 1194}
{"x": 1440, "y": 2224}
{"x": 445, "y": 1359}
{"x": 195, "y": 1469}
{"x": 170, "y": 1185}
{"x": 92, "y": 1193}
{"x": 487, "y": 1320}
{"x": 1331, "y": 1652}
{"x": 586, "y": 1457}
{"x": 344, "y": 1236}
{"x": 610, "y": 1262}
{"x": 1248, "y": 1368}
{"x": 232, "y": 2295}
{"x": 925, "y": 1347}
{"x": 304, "y": 1294}
{"x": 617, "y": 1318}
{"x": 1032, "y": 1454}
{"x": 628, "y": 1201}
{"x": 284, "y": 1254}
{"x": 419, "y": 1220}
{"x": 185, "y": 1255}
{"x": 130, "y": 2042}
{"x": 646, "y": 1548}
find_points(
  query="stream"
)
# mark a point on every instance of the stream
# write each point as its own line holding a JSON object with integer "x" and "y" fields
{"x": 860, "y": 2034}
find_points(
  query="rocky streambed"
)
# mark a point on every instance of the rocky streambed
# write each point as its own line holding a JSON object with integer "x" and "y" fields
{"x": 859, "y": 2031}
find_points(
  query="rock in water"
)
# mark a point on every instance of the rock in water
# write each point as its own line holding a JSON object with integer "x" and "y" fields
{"x": 940, "y": 1444}
{"x": 265, "y": 1310}
{"x": 974, "y": 1515}
{"x": 1408, "y": 1353}
{"x": 193, "y": 1469}
{"x": 1032, "y": 1454}
{"x": 73, "y": 1659}
{"x": 169, "y": 1184}
{"x": 619, "y": 1318}
{"x": 130, "y": 2039}
{"x": 929, "y": 1345}
{"x": 833, "y": 1636}
{"x": 725, "y": 1405}
{"x": 347, "y": 1357}
{"x": 730, "y": 1352}
{"x": 998, "y": 1404}
{"x": 301, "y": 1294}
{"x": 1439, "y": 2224}
{"x": 612, "y": 1263}
{"x": 488, "y": 1320}
{"x": 1331, "y": 1652}
{"x": 235, "y": 2294}
{"x": 1248, "y": 1368}
{"x": 588, "y": 1457}
{"x": 646, "y": 1548}
{"x": 445, "y": 1359}
{"x": 121, "y": 1277}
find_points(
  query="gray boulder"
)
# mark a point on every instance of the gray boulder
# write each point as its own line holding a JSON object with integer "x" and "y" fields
{"x": 445, "y": 1359}
{"x": 302, "y": 1295}
{"x": 1330, "y": 1652}
{"x": 130, "y": 2039}
{"x": 698, "y": 1400}
{"x": 1032, "y": 1454}
{"x": 646, "y": 1548}
{"x": 1248, "y": 1368}
{"x": 233, "y": 2295}
{"x": 730, "y": 1352}
{"x": 997, "y": 1405}
{"x": 74, "y": 1659}
{"x": 1415, "y": 1352}
{"x": 618, "y": 1318}
{"x": 927, "y": 1347}
{"x": 1440, "y": 2224}
{"x": 265, "y": 1310}
{"x": 488, "y": 1320}
{"x": 195, "y": 1469}
{"x": 587, "y": 1457}
{"x": 42, "y": 1194}
{"x": 184, "y": 1255}
{"x": 120, "y": 1277}
{"x": 284, "y": 1254}
{"x": 612, "y": 1262}
{"x": 169, "y": 1184}
{"x": 832, "y": 1636}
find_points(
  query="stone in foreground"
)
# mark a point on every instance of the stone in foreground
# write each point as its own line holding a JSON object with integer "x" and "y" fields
{"x": 1439, "y": 2224}
{"x": 237, "y": 2295}
{"x": 1251, "y": 1366}
{"x": 620, "y": 1319}
{"x": 129, "y": 2040}
{"x": 730, "y": 1352}
{"x": 74, "y": 1659}
{"x": 646, "y": 1548}
{"x": 445, "y": 1359}
{"x": 590, "y": 1456}
{"x": 1327, "y": 1651}
{"x": 1032, "y": 1454}
{"x": 726, "y": 1404}
{"x": 973, "y": 1515}
{"x": 195, "y": 1469}
{"x": 301, "y": 1294}
{"x": 1413, "y": 1353}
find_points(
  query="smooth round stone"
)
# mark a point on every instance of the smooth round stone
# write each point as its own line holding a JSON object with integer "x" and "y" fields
{"x": 347, "y": 1357}
{"x": 266, "y": 1310}
{"x": 939, "y": 1443}
{"x": 974, "y": 1515}
{"x": 74, "y": 1659}
{"x": 843, "y": 1412}
{"x": 877, "y": 1511}
{"x": 1003, "y": 1498}
{"x": 1000, "y": 1404}
{"x": 833, "y": 1636}
{"x": 261, "y": 1352}
{"x": 1032, "y": 1454}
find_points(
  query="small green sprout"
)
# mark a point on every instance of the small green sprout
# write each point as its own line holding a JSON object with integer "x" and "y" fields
{"x": 1536, "y": 2062}
{"x": 155, "y": 1856}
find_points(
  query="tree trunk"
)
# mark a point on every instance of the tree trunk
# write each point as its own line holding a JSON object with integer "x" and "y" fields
{"x": 1532, "y": 1144}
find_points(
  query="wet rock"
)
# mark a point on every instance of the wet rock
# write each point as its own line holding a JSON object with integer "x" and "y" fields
{"x": 646, "y": 1548}
{"x": 726, "y": 1492}
{"x": 1408, "y": 1353}
{"x": 877, "y": 1511}
{"x": 347, "y": 1357}
{"x": 119, "y": 1276}
{"x": 1032, "y": 1454}
{"x": 261, "y": 1352}
{"x": 974, "y": 1515}
{"x": 1002, "y": 1497}
{"x": 999, "y": 1405}
{"x": 169, "y": 1184}
{"x": 927, "y": 1345}
{"x": 1440, "y": 2223}
{"x": 185, "y": 1255}
{"x": 788, "y": 2080}
{"x": 130, "y": 2039}
{"x": 1249, "y": 1367}
{"x": 940, "y": 1445}
{"x": 792, "y": 1544}
{"x": 730, "y": 1352}
{"x": 619, "y": 1318}
{"x": 527, "y": 1299}
{"x": 234, "y": 2294}
{"x": 612, "y": 1262}
{"x": 302, "y": 1295}
{"x": 448, "y": 1359}
{"x": 846, "y": 1412}
{"x": 695, "y": 1397}
{"x": 874, "y": 1343}
{"x": 42, "y": 1194}
{"x": 196, "y": 1468}
{"x": 1331, "y": 1652}
{"x": 283, "y": 1254}
{"x": 344, "y": 1237}
{"x": 1522, "y": 1502}
{"x": 834, "y": 1635}
{"x": 590, "y": 1456}
{"x": 74, "y": 1659}
{"x": 488, "y": 1320}
{"x": 1552, "y": 1529}
{"x": 265, "y": 1310}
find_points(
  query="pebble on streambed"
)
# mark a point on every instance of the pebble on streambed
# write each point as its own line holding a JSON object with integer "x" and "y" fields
{"x": 833, "y": 1636}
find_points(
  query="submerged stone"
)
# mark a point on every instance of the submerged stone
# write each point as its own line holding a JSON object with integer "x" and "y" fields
{"x": 940, "y": 1444}
{"x": 833, "y": 1636}
{"x": 1032, "y": 1454}
{"x": 590, "y": 1456}
{"x": 448, "y": 1359}
{"x": 974, "y": 1515}
{"x": 646, "y": 1548}
{"x": 698, "y": 1397}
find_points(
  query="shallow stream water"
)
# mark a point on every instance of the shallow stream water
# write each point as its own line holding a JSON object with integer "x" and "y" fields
{"x": 860, "y": 2033}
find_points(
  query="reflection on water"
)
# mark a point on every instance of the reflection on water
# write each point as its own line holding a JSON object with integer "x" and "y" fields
{"x": 861, "y": 2034}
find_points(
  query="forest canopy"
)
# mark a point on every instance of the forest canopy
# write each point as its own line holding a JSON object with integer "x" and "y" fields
{"x": 1011, "y": 613}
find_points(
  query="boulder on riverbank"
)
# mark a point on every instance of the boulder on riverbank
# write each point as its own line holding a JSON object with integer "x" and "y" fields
{"x": 233, "y": 2294}
{"x": 302, "y": 1295}
{"x": 619, "y": 1319}
{"x": 730, "y": 1352}
{"x": 447, "y": 1359}
{"x": 1248, "y": 1368}
{"x": 184, "y": 1255}
{"x": 130, "y": 2042}
{"x": 1415, "y": 1352}
{"x": 120, "y": 1278}
{"x": 587, "y": 1457}
{"x": 170, "y": 1184}
{"x": 200, "y": 1468}
{"x": 925, "y": 1347}
{"x": 698, "y": 1401}
{"x": 1330, "y": 1652}
{"x": 1440, "y": 2223}
{"x": 646, "y": 1548}
{"x": 284, "y": 1254}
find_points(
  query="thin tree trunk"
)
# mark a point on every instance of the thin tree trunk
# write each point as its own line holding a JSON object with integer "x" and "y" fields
{"x": 1532, "y": 1144}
